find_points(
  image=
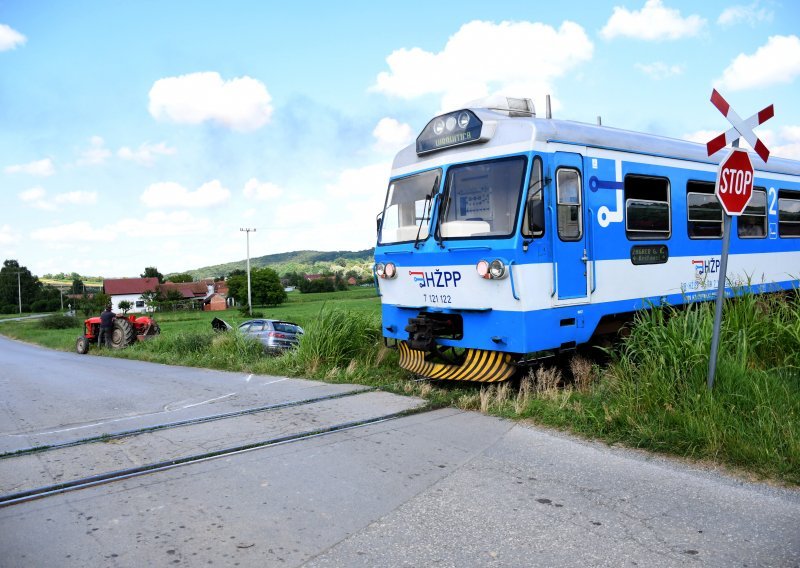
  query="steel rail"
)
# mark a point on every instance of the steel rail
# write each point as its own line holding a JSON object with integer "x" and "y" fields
{"x": 120, "y": 475}
{"x": 178, "y": 423}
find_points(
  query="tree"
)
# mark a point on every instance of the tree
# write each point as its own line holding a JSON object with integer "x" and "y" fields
{"x": 178, "y": 278}
{"x": 265, "y": 284}
{"x": 12, "y": 287}
{"x": 318, "y": 285}
{"x": 77, "y": 286}
{"x": 125, "y": 306}
{"x": 152, "y": 272}
{"x": 267, "y": 288}
{"x": 237, "y": 287}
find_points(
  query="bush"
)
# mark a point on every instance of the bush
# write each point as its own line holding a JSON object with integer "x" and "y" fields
{"x": 57, "y": 321}
{"x": 316, "y": 286}
{"x": 337, "y": 338}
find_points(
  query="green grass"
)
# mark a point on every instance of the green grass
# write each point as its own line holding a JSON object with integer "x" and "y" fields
{"x": 651, "y": 395}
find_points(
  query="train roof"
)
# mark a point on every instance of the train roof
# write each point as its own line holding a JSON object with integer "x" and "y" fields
{"x": 527, "y": 129}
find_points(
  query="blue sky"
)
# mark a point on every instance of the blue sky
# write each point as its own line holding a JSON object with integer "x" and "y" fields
{"x": 148, "y": 133}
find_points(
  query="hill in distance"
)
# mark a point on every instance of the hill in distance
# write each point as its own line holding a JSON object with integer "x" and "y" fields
{"x": 307, "y": 261}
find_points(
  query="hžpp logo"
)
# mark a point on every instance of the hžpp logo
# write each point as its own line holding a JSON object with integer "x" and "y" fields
{"x": 710, "y": 266}
{"x": 436, "y": 279}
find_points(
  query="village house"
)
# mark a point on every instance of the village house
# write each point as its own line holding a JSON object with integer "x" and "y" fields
{"x": 129, "y": 289}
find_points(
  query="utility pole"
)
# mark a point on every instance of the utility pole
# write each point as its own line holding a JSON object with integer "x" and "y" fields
{"x": 19, "y": 292}
{"x": 249, "y": 290}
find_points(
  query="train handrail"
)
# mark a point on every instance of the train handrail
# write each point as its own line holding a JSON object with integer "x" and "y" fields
{"x": 553, "y": 249}
{"x": 590, "y": 224}
{"x": 511, "y": 277}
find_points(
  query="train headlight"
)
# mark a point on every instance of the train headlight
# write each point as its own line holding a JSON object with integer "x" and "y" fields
{"x": 483, "y": 269}
{"x": 386, "y": 271}
{"x": 450, "y": 124}
{"x": 438, "y": 126}
{"x": 497, "y": 269}
{"x": 463, "y": 120}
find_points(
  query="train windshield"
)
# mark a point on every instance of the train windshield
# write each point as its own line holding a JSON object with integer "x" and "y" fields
{"x": 407, "y": 213}
{"x": 481, "y": 199}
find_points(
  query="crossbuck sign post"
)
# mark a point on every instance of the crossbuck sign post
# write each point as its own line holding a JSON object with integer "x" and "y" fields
{"x": 734, "y": 188}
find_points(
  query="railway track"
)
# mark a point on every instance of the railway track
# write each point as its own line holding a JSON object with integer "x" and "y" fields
{"x": 188, "y": 442}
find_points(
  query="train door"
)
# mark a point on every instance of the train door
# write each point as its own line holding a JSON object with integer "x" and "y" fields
{"x": 569, "y": 248}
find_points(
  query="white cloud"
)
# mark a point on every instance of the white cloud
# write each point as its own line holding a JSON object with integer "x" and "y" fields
{"x": 7, "y": 236}
{"x": 784, "y": 143}
{"x": 37, "y": 197}
{"x": 261, "y": 190}
{"x": 77, "y": 198}
{"x": 161, "y": 224}
{"x": 369, "y": 181}
{"x": 241, "y": 104}
{"x": 96, "y": 154}
{"x": 10, "y": 38}
{"x": 146, "y": 154}
{"x": 659, "y": 70}
{"x": 776, "y": 62}
{"x": 41, "y": 168}
{"x": 32, "y": 194}
{"x": 301, "y": 214}
{"x": 74, "y": 232}
{"x": 171, "y": 194}
{"x": 653, "y": 22}
{"x": 483, "y": 58}
{"x": 751, "y": 14}
{"x": 391, "y": 135}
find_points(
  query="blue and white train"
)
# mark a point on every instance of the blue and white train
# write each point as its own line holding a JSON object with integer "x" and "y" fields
{"x": 504, "y": 235}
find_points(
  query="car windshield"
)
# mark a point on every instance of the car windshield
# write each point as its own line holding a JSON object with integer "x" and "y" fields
{"x": 481, "y": 199}
{"x": 407, "y": 211}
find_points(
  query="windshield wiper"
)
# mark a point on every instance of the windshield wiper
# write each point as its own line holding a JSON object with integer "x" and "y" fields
{"x": 426, "y": 216}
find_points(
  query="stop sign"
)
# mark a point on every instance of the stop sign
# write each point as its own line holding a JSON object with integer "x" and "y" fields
{"x": 735, "y": 181}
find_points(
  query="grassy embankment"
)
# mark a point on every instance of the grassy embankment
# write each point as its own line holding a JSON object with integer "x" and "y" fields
{"x": 652, "y": 394}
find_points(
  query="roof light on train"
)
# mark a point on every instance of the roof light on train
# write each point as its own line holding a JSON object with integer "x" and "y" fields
{"x": 497, "y": 268}
{"x": 453, "y": 129}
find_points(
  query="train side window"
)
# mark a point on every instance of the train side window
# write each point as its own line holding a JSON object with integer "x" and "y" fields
{"x": 752, "y": 223}
{"x": 533, "y": 221}
{"x": 788, "y": 213}
{"x": 647, "y": 207}
{"x": 570, "y": 215}
{"x": 703, "y": 211}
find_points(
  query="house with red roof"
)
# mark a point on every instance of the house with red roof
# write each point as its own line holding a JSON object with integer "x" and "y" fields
{"x": 129, "y": 289}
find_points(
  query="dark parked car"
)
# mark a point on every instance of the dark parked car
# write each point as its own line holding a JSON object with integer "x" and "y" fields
{"x": 276, "y": 335}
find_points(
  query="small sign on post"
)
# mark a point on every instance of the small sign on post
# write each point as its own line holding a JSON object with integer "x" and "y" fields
{"x": 734, "y": 188}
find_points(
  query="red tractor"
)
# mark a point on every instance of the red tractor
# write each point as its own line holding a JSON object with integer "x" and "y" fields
{"x": 127, "y": 329}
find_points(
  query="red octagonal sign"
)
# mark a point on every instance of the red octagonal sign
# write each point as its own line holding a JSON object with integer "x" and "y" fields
{"x": 735, "y": 182}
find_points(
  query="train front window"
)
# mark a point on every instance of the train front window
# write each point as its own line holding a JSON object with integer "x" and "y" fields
{"x": 407, "y": 212}
{"x": 482, "y": 199}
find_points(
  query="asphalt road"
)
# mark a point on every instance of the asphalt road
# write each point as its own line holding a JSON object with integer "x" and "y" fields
{"x": 443, "y": 488}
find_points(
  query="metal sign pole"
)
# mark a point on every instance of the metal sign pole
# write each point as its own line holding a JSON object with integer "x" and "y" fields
{"x": 723, "y": 270}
